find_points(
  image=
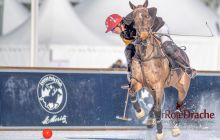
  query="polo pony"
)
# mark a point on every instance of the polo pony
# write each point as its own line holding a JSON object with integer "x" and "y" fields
{"x": 151, "y": 70}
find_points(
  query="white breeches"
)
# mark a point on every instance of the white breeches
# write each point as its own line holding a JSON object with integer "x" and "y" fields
{"x": 165, "y": 30}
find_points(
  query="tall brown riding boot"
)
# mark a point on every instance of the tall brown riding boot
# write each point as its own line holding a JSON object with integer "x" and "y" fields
{"x": 183, "y": 64}
{"x": 171, "y": 49}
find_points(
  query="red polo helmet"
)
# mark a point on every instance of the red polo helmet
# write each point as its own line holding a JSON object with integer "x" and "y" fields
{"x": 112, "y": 21}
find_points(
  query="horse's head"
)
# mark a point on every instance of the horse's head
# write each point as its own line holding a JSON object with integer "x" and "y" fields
{"x": 142, "y": 19}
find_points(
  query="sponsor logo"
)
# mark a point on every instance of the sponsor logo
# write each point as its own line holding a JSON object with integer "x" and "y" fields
{"x": 52, "y": 96}
{"x": 187, "y": 114}
{"x": 54, "y": 119}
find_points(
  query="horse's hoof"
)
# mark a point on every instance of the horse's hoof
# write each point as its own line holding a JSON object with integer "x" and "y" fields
{"x": 151, "y": 122}
{"x": 160, "y": 136}
{"x": 176, "y": 131}
{"x": 141, "y": 114}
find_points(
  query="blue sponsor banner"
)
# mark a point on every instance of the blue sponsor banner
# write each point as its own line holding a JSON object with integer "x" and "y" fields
{"x": 87, "y": 98}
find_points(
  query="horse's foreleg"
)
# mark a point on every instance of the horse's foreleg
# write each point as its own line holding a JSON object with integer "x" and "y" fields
{"x": 139, "y": 111}
{"x": 157, "y": 111}
{"x": 135, "y": 103}
{"x": 151, "y": 113}
{"x": 134, "y": 87}
{"x": 151, "y": 121}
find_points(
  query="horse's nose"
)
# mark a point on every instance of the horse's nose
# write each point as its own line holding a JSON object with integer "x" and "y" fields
{"x": 144, "y": 35}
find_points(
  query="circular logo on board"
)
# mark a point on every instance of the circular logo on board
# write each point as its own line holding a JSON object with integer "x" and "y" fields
{"x": 52, "y": 94}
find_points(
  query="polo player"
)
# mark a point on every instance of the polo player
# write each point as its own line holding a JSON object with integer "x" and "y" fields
{"x": 124, "y": 26}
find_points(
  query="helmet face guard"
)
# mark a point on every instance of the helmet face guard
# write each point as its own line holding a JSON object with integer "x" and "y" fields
{"x": 112, "y": 21}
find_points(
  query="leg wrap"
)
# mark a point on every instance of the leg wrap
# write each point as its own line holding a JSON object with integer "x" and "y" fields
{"x": 178, "y": 106}
{"x": 169, "y": 47}
{"x": 151, "y": 113}
{"x": 159, "y": 122}
{"x": 135, "y": 103}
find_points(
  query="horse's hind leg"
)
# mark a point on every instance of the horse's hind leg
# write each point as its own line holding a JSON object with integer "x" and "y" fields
{"x": 182, "y": 87}
{"x": 134, "y": 88}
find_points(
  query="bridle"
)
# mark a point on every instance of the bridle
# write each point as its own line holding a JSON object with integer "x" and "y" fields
{"x": 151, "y": 40}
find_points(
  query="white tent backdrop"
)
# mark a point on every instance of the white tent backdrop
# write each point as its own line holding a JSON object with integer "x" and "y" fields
{"x": 63, "y": 41}
{"x": 14, "y": 14}
{"x": 67, "y": 41}
{"x": 182, "y": 16}
{"x": 187, "y": 17}
{"x": 57, "y": 24}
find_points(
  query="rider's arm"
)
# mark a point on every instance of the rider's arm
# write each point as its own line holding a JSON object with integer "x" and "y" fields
{"x": 152, "y": 12}
{"x": 127, "y": 20}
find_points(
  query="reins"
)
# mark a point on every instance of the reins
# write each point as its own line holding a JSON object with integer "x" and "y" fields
{"x": 145, "y": 44}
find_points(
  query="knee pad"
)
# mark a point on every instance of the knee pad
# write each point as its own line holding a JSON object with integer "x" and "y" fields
{"x": 169, "y": 47}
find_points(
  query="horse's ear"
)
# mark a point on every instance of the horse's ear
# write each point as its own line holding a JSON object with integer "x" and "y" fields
{"x": 145, "y": 3}
{"x": 132, "y": 5}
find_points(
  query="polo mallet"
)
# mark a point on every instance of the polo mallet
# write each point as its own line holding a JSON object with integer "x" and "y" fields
{"x": 124, "y": 118}
{"x": 206, "y": 24}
